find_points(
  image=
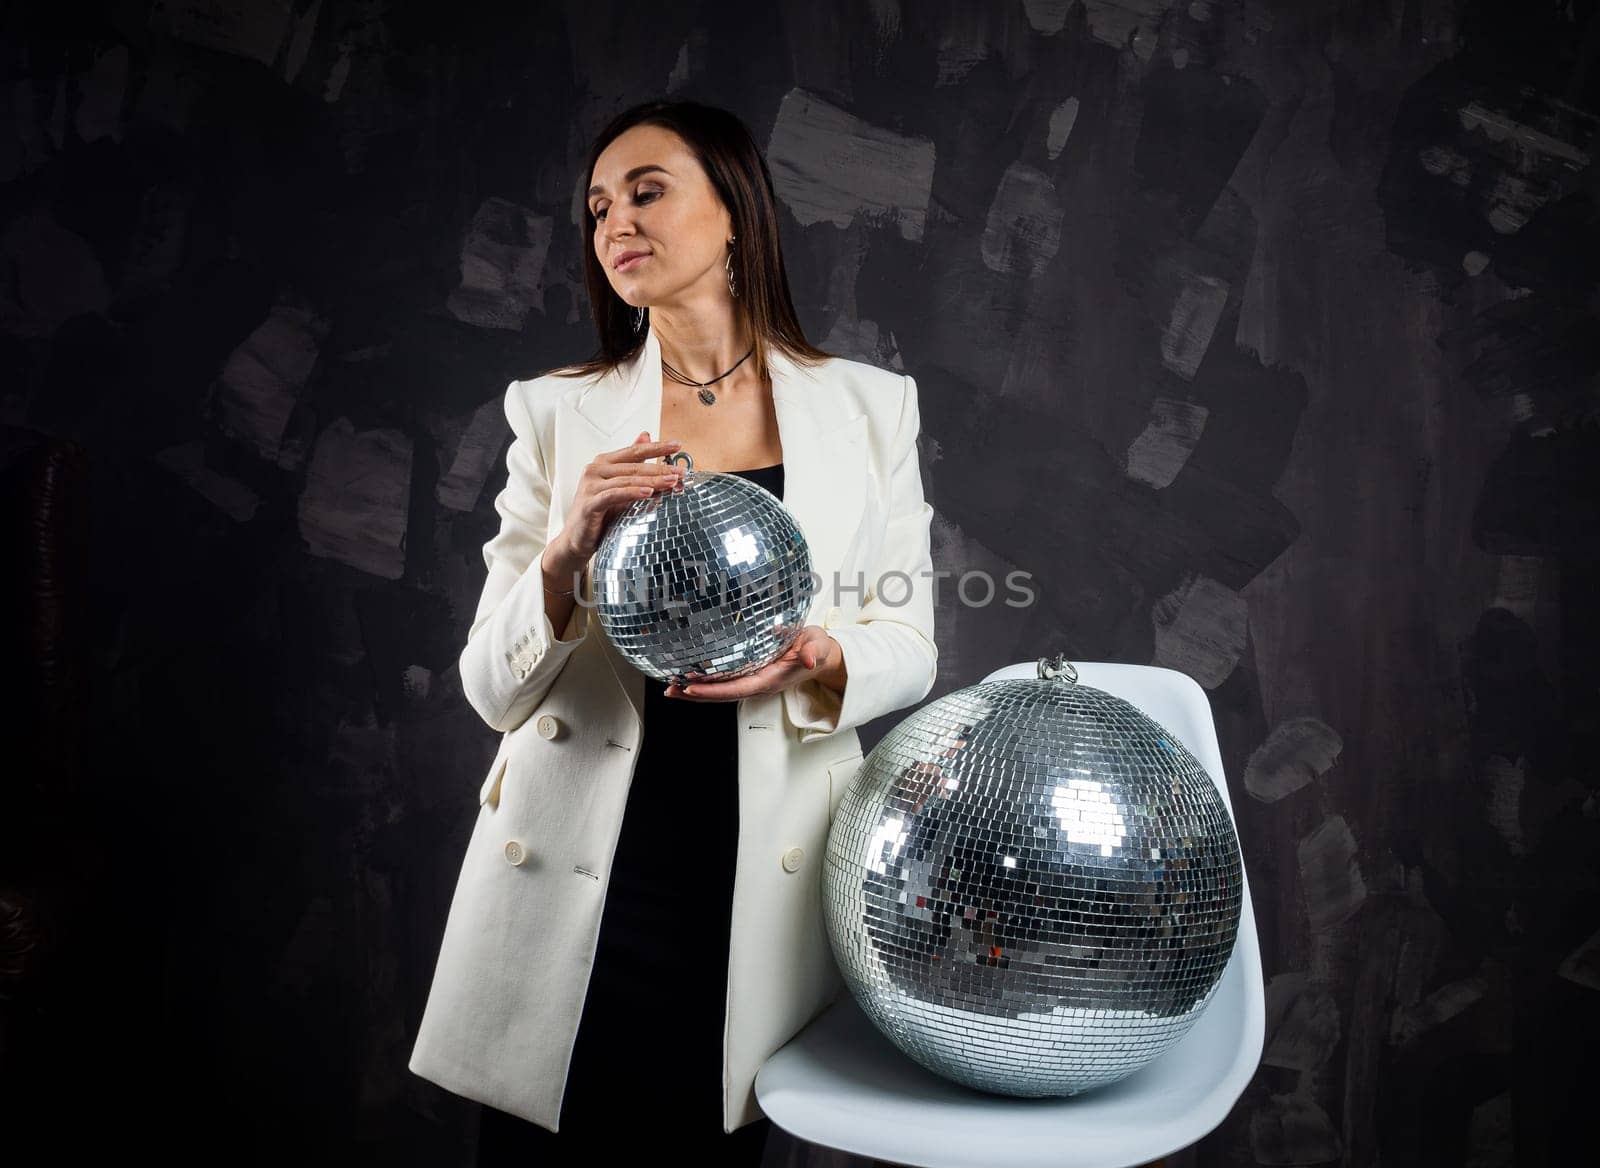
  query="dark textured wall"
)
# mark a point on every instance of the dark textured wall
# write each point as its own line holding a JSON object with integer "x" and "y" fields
{"x": 1262, "y": 335}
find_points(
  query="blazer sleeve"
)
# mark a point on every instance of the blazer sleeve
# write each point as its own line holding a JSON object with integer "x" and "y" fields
{"x": 512, "y": 655}
{"x": 891, "y": 660}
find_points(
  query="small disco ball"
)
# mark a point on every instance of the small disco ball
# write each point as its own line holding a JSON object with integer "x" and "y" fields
{"x": 711, "y": 577}
{"x": 1031, "y": 888}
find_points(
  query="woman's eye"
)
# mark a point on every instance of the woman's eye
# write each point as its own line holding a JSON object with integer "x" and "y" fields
{"x": 600, "y": 215}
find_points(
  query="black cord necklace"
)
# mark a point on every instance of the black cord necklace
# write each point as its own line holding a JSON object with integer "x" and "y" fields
{"x": 705, "y": 394}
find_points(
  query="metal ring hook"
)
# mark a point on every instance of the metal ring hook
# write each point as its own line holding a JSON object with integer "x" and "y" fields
{"x": 1058, "y": 668}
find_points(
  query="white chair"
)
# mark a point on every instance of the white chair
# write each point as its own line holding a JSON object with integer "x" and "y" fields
{"x": 841, "y": 1084}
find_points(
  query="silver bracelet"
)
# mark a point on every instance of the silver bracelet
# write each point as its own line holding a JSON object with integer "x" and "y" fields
{"x": 554, "y": 591}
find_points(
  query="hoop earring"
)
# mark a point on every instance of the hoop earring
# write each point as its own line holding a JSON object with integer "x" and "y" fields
{"x": 732, "y": 288}
{"x": 638, "y": 318}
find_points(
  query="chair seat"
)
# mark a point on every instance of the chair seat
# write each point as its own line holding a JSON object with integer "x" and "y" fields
{"x": 841, "y": 1084}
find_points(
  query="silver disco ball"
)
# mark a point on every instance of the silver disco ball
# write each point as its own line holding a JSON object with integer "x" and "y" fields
{"x": 712, "y": 577}
{"x": 1031, "y": 888}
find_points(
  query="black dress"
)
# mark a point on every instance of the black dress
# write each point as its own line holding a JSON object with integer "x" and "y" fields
{"x": 646, "y": 1073}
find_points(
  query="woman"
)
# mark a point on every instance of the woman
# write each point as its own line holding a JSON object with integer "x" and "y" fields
{"x": 599, "y": 979}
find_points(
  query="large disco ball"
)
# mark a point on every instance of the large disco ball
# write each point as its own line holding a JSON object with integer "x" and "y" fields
{"x": 1031, "y": 888}
{"x": 712, "y": 577}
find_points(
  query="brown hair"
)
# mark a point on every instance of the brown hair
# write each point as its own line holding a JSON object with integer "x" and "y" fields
{"x": 739, "y": 175}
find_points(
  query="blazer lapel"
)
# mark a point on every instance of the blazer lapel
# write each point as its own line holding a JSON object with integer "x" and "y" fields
{"x": 824, "y": 461}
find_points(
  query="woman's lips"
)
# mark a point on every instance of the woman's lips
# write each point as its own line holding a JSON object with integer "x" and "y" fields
{"x": 631, "y": 262}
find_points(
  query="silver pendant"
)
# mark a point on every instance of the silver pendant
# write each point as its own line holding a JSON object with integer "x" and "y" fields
{"x": 707, "y": 396}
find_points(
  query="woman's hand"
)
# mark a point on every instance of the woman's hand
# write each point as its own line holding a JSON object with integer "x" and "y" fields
{"x": 814, "y": 654}
{"x": 615, "y": 480}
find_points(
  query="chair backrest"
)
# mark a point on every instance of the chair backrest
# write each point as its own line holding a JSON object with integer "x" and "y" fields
{"x": 1237, "y": 1013}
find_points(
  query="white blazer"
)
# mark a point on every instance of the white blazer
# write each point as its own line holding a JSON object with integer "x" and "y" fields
{"x": 513, "y": 970}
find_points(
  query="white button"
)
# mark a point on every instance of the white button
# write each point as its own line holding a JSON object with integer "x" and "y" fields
{"x": 548, "y": 726}
{"x": 515, "y": 853}
{"x": 791, "y": 859}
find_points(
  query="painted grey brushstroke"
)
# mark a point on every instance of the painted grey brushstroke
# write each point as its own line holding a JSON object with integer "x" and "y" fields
{"x": 1062, "y": 119}
{"x": 856, "y": 338}
{"x": 1294, "y": 754}
{"x": 1292, "y": 1129}
{"x": 1127, "y": 23}
{"x": 1425, "y": 939}
{"x": 1194, "y": 318}
{"x": 502, "y": 266}
{"x": 187, "y": 460}
{"x": 1516, "y": 587}
{"x": 1522, "y": 408}
{"x": 255, "y": 31}
{"x": 264, "y": 377}
{"x": 1327, "y": 959}
{"x": 416, "y": 682}
{"x": 1022, "y": 232}
{"x": 1163, "y": 447}
{"x": 682, "y": 71}
{"x": 1200, "y": 630}
{"x": 1491, "y": 1134}
{"x": 1501, "y": 128}
{"x": 956, "y": 552}
{"x": 1437, "y": 1008}
{"x": 338, "y": 75}
{"x": 829, "y": 166}
{"x": 155, "y": 249}
{"x": 51, "y": 275}
{"x": 357, "y": 498}
{"x": 1256, "y": 332}
{"x": 1447, "y": 162}
{"x": 1304, "y": 1026}
{"x": 1514, "y": 200}
{"x": 1047, "y": 16}
{"x": 302, "y": 38}
{"x": 102, "y": 93}
{"x": 477, "y": 455}
{"x": 963, "y": 44}
{"x": 886, "y": 19}
{"x": 1505, "y": 800}
{"x": 1330, "y": 876}
{"x": 1534, "y": 167}
{"x": 1582, "y": 965}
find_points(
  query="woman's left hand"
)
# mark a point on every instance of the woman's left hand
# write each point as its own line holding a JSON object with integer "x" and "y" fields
{"x": 813, "y": 654}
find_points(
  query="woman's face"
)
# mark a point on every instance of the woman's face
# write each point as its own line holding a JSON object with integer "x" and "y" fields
{"x": 652, "y": 196}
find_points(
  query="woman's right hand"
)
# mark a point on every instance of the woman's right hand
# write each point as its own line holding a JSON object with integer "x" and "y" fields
{"x": 608, "y": 485}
